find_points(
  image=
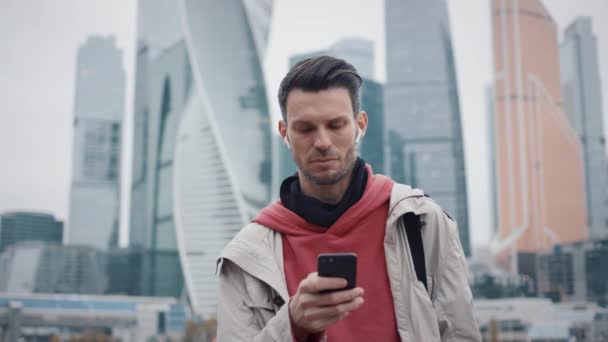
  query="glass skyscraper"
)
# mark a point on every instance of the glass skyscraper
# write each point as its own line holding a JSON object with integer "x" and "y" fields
{"x": 425, "y": 145}
{"x": 202, "y": 159}
{"x": 21, "y": 226}
{"x": 98, "y": 115}
{"x": 582, "y": 98}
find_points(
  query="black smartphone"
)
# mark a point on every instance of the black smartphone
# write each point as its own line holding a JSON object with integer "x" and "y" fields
{"x": 339, "y": 265}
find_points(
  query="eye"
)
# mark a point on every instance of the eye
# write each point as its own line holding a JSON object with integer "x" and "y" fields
{"x": 303, "y": 128}
{"x": 337, "y": 124}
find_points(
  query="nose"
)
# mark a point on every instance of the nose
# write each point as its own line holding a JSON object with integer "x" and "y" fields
{"x": 322, "y": 140}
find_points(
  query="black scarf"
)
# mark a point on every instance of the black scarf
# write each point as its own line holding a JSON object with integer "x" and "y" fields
{"x": 319, "y": 213}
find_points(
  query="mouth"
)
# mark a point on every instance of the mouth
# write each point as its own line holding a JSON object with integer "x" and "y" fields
{"x": 323, "y": 160}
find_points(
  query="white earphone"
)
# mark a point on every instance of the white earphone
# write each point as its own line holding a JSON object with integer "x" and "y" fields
{"x": 359, "y": 135}
{"x": 286, "y": 142}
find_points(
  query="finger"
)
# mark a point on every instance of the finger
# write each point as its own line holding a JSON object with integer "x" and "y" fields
{"x": 338, "y": 297}
{"x": 313, "y": 283}
{"x": 326, "y": 313}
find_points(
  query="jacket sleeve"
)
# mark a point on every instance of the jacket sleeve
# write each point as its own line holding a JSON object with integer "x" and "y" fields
{"x": 454, "y": 300}
{"x": 237, "y": 317}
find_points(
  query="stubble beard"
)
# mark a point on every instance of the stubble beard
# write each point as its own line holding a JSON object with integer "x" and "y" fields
{"x": 351, "y": 158}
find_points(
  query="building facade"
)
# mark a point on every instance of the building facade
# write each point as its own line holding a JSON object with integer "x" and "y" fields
{"x": 575, "y": 272}
{"x": 98, "y": 115}
{"x": 202, "y": 165}
{"x": 20, "y": 226}
{"x": 536, "y": 147}
{"x": 423, "y": 122}
{"x": 582, "y": 98}
{"x": 41, "y": 267}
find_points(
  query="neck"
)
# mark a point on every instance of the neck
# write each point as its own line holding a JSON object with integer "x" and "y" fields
{"x": 330, "y": 193}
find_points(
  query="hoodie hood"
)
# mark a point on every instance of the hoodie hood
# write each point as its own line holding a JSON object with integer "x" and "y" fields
{"x": 277, "y": 217}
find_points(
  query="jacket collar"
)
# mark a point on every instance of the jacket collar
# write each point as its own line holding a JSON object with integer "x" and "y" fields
{"x": 255, "y": 249}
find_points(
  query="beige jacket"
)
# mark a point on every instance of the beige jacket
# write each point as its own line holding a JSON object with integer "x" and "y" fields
{"x": 253, "y": 290}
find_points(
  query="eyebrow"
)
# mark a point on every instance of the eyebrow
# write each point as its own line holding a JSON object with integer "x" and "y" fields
{"x": 338, "y": 117}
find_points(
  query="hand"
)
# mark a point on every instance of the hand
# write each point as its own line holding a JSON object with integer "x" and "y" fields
{"x": 312, "y": 311}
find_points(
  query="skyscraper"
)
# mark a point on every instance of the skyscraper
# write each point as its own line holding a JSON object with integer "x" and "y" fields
{"x": 162, "y": 87}
{"x": 360, "y": 53}
{"x": 582, "y": 98}
{"x": 98, "y": 115}
{"x": 425, "y": 146}
{"x": 357, "y": 51}
{"x": 20, "y": 226}
{"x": 202, "y": 164}
{"x": 540, "y": 184}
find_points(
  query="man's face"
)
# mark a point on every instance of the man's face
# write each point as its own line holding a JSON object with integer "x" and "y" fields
{"x": 321, "y": 130}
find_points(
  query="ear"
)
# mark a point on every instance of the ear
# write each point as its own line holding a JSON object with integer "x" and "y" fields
{"x": 282, "y": 129}
{"x": 361, "y": 123}
{"x": 283, "y": 133}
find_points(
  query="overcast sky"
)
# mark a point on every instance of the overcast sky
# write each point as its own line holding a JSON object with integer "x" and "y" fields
{"x": 39, "y": 41}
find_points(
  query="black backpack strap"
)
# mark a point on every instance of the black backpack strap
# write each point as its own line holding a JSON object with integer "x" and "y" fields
{"x": 413, "y": 227}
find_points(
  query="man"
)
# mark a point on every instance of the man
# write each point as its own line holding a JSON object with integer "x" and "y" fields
{"x": 269, "y": 288}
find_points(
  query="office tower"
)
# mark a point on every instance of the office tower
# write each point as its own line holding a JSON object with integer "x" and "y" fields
{"x": 21, "y": 226}
{"x": 422, "y": 110}
{"x": 582, "y": 99}
{"x": 540, "y": 184}
{"x": 202, "y": 160}
{"x": 98, "y": 114}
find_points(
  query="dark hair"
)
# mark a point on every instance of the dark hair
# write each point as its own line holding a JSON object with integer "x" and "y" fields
{"x": 321, "y": 73}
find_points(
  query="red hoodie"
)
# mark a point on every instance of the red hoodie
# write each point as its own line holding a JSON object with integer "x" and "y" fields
{"x": 359, "y": 230}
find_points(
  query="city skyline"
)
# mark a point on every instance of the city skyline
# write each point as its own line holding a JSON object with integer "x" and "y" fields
{"x": 36, "y": 195}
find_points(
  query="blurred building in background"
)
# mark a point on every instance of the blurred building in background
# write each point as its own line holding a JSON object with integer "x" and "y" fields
{"x": 98, "y": 115}
{"x": 357, "y": 51}
{"x": 488, "y": 281}
{"x": 123, "y": 271}
{"x": 540, "y": 181}
{"x": 40, "y": 267}
{"x": 360, "y": 53}
{"x": 46, "y": 317}
{"x": 163, "y": 84}
{"x": 423, "y": 122}
{"x": 575, "y": 272}
{"x": 491, "y": 135}
{"x": 536, "y": 319}
{"x": 202, "y": 144}
{"x": 21, "y": 226}
{"x": 582, "y": 98}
